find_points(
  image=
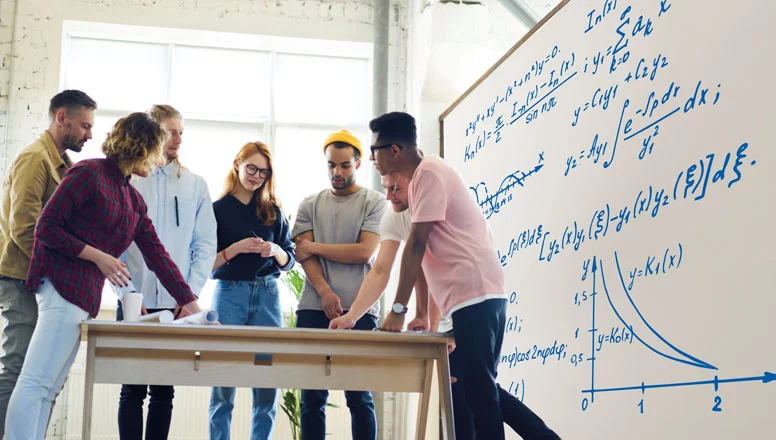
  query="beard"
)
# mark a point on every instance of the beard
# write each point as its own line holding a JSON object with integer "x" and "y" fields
{"x": 345, "y": 184}
{"x": 73, "y": 144}
{"x": 170, "y": 154}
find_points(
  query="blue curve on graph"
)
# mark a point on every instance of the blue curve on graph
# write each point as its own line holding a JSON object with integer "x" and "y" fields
{"x": 688, "y": 359}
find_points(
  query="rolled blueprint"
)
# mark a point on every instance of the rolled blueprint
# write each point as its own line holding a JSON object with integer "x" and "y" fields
{"x": 205, "y": 317}
{"x": 164, "y": 316}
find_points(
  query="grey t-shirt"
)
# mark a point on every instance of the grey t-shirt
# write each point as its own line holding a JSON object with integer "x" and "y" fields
{"x": 339, "y": 220}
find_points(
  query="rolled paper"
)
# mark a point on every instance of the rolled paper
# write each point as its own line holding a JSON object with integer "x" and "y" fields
{"x": 205, "y": 317}
{"x": 163, "y": 316}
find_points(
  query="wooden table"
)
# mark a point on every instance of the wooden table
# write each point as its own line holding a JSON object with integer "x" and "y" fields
{"x": 265, "y": 357}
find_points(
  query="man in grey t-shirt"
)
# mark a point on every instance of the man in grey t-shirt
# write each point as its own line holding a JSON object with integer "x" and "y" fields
{"x": 337, "y": 231}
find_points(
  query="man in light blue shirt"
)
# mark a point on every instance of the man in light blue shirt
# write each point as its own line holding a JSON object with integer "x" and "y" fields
{"x": 180, "y": 208}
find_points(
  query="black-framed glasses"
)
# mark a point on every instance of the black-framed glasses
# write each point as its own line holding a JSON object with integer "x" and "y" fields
{"x": 374, "y": 148}
{"x": 264, "y": 173}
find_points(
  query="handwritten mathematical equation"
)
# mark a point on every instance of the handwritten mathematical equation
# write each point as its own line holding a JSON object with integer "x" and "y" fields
{"x": 542, "y": 80}
{"x": 540, "y": 353}
{"x": 615, "y": 335}
{"x": 692, "y": 183}
{"x": 629, "y": 26}
{"x": 658, "y": 106}
{"x": 524, "y": 240}
{"x": 656, "y": 265}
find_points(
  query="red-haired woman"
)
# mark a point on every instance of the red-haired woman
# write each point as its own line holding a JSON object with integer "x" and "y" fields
{"x": 253, "y": 248}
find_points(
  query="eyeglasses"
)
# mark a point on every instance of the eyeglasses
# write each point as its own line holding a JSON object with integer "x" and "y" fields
{"x": 373, "y": 148}
{"x": 264, "y": 173}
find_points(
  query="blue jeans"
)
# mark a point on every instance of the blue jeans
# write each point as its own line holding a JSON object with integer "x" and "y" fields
{"x": 479, "y": 332}
{"x": 131, "y": 399}
{"x": 362, "y": 408}
{"x": 254, "y": 303}
{"x": 50, "y": 355}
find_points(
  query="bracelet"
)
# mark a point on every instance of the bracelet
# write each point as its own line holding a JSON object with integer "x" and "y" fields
{"x": 223, "y": 254}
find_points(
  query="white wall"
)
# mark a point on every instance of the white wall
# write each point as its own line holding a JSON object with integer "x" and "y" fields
{"x": 32, "y": 39}
{"x": 7, "y": 15}
{"x": 454, "y": 45}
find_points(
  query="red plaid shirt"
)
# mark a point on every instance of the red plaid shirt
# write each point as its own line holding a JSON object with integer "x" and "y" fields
{"x": 96, "y": 205}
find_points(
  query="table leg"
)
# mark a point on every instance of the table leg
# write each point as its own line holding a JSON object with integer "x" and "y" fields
{"x": 425, "y": 397}
{"x": 86, "y": 430}
{"x": 445, "y": 395}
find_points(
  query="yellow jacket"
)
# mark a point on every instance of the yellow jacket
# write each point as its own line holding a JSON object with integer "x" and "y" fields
{"x": 29, "y": 183}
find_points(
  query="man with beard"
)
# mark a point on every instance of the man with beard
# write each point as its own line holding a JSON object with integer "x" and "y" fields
{"x": 336, "y": 232}
{"x": 181, "y": 211}
{"x": 29, "y": 183}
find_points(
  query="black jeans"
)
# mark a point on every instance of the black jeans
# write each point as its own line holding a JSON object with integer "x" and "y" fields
{"x": 131, "y": 406}
{"x": 479, "y": 332}
{"x": 363, "y": 421}
{"x": 519, "y": 417}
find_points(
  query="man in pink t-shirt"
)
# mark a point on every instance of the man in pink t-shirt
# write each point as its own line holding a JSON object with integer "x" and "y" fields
{"x": 452, "y": 240}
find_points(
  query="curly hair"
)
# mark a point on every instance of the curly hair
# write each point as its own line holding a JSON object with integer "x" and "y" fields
{"x": 135, "y": 142}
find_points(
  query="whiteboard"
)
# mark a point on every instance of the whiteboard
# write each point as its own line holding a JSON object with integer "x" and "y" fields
{"x": 623, "y": 154}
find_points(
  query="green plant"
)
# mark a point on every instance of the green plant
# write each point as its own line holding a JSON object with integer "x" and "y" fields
{"x": 291, "y": 405}
{"x": 294, "y": 281}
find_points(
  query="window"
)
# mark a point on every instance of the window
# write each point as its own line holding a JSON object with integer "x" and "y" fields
{"x": 231, "y": 89}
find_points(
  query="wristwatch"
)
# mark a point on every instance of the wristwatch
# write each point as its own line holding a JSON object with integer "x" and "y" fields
{"x": 399, "y": 309}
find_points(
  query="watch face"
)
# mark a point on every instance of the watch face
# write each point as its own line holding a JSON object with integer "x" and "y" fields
{"x": 398, "y": 308}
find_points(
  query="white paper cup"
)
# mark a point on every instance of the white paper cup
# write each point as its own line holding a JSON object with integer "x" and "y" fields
{"x": 163, "y": 316}
{"x": 130, "y": 306}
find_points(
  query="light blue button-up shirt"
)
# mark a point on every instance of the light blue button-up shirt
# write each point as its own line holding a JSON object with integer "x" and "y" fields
{"x": 187, "y": 229}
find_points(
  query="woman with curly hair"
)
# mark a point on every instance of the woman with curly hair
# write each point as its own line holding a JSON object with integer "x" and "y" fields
{"x": 253, "y": 247}
{"x": 90, "y": 220}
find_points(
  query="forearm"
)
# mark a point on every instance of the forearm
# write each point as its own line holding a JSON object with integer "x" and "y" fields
{"x": 371, "y": 289}
{"x": 282, "y": 258}
{"x": 434, "y": 315}
{"x": 421, "y": 295}
{"x": 410, "y": 267}
{"x": 90, "y": 254}
{"x": 352, "y": 253}
{"x": 221, "y": 259}
{"x": 314, "y": 273}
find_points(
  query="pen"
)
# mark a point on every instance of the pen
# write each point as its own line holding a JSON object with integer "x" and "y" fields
{"x": 177, "y": 219}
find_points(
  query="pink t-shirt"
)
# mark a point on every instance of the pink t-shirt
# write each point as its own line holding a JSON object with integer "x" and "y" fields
{"x": 460, "y": 263}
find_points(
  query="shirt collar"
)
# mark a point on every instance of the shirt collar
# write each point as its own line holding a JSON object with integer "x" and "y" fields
{"x": 58, "y": 160}
{"x": 113, "y": 170}
{"x": 168, "y": 169}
